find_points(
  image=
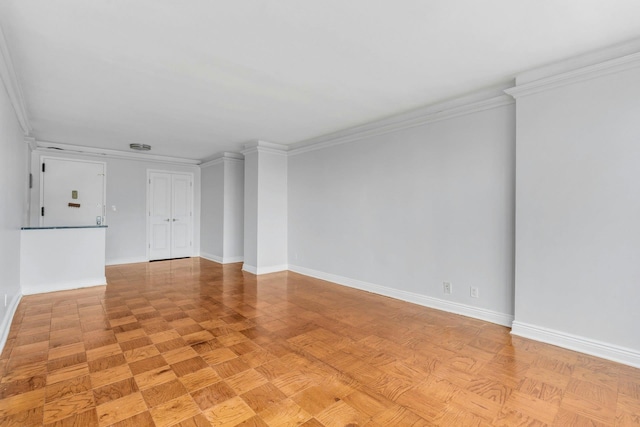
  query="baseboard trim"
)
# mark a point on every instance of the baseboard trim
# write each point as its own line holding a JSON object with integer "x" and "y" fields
{"x": 132, "y": 260}
{"x": 264, "y": 270}
{"x": 63, "y": 286}
{"x": 211, "y": 257}
{"x": 578, "y": 343}
{"x": 426, "y": 301}
{"x": 221, "y": 260}
{"x": 5, "y": 326}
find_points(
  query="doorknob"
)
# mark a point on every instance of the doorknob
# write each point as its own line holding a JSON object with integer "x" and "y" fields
{"x": 167, "y": 220}
{"x": 174, "y": 220}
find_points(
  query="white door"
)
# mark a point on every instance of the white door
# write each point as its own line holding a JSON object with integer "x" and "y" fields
{"x": 181, "y": 223}
{"x": 170, "y": 215}
{"x": 72, "y": 192}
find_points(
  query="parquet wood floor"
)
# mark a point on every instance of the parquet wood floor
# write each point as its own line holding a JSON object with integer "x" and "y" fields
{"x": 193, "y": 343}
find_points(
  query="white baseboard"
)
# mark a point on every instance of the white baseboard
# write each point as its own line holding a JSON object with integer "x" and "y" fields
{"x": 63, "y": 286}
{"x": 582, "y": 344}
{"x": 5, "y": 326}
{"x": 264, "y": 270}
{"x": 249, "y": 268}
{"x": 211, "y": 257}
{"x": 439, "y": 304}
{"x": 133, "y": 260}
{"x": 221, "y": 260}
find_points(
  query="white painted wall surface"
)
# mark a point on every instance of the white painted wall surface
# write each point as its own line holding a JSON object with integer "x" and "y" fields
{"x": 60, "y": 259}
{"x": 127, "y": 190}
{"x": 578, "y": 211}
{"x": 272, "y": 212}
{"x": 212, "y": 214}
{"x": 265, "y": 207}
{"x": 233, "y": 210}
{"x": 403, "y": 212}
{"x": 250, "y": 247}
{"x": 13, "y": 202}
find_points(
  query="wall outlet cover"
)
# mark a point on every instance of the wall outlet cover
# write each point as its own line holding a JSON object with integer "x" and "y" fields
{"x": 475, "y": 293}
{"x": 446, "y": 288}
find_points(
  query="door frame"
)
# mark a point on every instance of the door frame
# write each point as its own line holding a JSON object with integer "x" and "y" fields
{"x": 41, "y": 180}
{"x": 148, "y": 204}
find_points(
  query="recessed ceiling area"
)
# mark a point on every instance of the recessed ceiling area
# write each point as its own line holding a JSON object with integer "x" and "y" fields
{"x": 195, "y": 78}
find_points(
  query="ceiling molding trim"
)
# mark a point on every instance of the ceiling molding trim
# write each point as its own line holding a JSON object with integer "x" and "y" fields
{"x": 611, "y": 66}
{"x": 470, "y": 104}
{"x": 259, "y": 146}
{"x": 579, "y": 61}
{"x": 11, "y": 83}
{"x": 221, "y": 158}
{"x": 31, "y": 141}
{"x": 113, "y": 154}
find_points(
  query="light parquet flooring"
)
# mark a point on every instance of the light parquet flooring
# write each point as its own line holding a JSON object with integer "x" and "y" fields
{"x": 193, "y": 343}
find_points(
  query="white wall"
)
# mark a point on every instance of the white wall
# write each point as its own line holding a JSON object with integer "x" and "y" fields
{"x": 250, "y": 246}
{"x": 402, "y": 212}
{"x": 127, "y": 190}
{"x": 61, "y": 259}
{"x": 13, "y": 200}
{"x": 233, "y": 210}
{"x": 578, "y": 215}
{"x": 212, "y": 214}
{"x": 222, "y": 237}
{"x": 265, "y": 207}
{"x": 272, "y": 208}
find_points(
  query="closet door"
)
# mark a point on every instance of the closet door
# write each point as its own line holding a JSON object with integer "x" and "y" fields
{"x": 181, "y": 224}
{"x": 170, "y": 221}
{"x": 159, "y": 215}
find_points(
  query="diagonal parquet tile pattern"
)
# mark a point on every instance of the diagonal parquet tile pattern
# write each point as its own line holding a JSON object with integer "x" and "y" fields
{"x": 193, "y": 343}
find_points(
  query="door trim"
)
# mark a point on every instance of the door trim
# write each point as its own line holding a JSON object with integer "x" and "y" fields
{"x": 148, "y": 205}
{"x": 104, "y": 184}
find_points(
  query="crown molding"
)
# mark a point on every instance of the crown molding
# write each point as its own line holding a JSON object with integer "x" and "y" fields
{"x": 580, "y": 61}
{"x": 221, "y": 158}
{"x": 11, "y": 83}
{"x": 476, "y": 102}
{"x": 56, "y": 147}
{"x": 259, "y": 146}
{"x": 589, "y": 72}
{"x": 31, "y": 141}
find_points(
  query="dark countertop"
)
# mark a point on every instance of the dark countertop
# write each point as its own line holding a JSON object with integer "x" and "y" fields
{"x": 57, "y": 227}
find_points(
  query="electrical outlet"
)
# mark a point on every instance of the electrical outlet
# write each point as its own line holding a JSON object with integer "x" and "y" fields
{"x": 446, "y": 288}
{"x": 475, "y": 293}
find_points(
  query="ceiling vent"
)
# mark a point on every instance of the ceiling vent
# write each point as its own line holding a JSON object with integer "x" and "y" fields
{"x": 140, "y": 147}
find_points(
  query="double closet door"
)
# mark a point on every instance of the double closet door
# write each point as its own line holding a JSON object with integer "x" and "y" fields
{"x": 170, "y": 220}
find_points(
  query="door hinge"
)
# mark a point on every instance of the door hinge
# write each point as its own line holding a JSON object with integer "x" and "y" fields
{"x": 30, "y": 180}
{"x": 149, "y": 180}
{"x": 43, "y": 167}
{"x": 42, "y": 211}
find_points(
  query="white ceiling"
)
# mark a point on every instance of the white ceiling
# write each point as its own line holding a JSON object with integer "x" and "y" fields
{"x": 193, "y": 78}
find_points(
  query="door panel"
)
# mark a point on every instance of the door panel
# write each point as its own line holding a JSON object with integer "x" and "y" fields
{"x": 72, "y": 192}
{"x": 181, "y": 220}
{"x": 159, "y": 216}
{"x": 170, "y": 215}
